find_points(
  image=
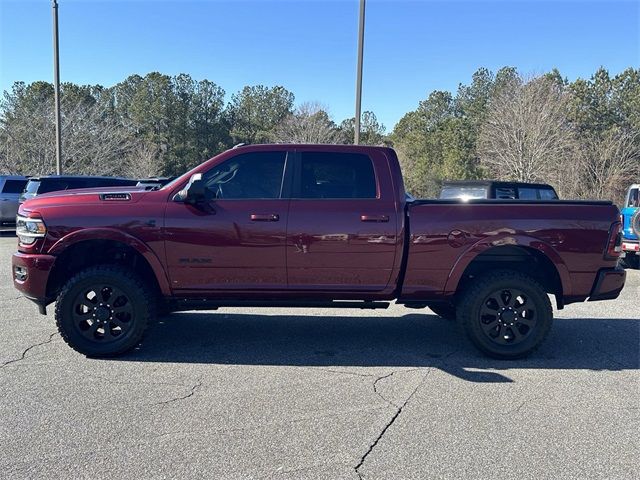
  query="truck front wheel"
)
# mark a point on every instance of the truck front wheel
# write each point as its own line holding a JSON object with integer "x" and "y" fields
{"x": 104, "y": 311}
{"x": 505, "y": 314}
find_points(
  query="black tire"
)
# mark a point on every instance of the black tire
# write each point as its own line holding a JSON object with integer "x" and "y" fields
{"x": 505, "y": 314}
{"x": 631, "y": 261}
{"x": 103, "y": 311}
{"x": 448, "y": 312}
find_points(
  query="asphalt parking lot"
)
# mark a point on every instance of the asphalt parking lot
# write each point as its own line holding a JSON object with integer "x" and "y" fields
{"x": 297, "y": 394}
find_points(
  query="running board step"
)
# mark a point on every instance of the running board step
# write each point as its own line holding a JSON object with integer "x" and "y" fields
{"x": 198, "y": 304}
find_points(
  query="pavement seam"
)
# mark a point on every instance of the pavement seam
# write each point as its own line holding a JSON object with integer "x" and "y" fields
{"x": 389, "y": 423}
{"x": 194, "y": 388}
{"x": 24, "y": 353}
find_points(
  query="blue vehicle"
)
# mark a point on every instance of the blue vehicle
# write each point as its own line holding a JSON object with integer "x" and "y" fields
{"x": 630, "y": 217}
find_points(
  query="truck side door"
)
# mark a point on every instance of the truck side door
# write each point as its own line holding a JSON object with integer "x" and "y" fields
{"x": 237, "y": 241}
{"x": 343, "y": 225}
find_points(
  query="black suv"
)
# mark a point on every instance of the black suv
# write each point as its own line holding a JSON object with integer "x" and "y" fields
{"x": 470, "y": 189}
{"x": 54, "y": 183}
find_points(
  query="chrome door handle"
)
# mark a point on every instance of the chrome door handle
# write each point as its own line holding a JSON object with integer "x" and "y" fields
{"x": 374, "y": 218}
{"x": 259, "y": 217}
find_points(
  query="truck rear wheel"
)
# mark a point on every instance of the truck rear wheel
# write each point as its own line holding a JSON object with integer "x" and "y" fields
{"x": 505, "y": 314}
{"x": 103, "y": 311}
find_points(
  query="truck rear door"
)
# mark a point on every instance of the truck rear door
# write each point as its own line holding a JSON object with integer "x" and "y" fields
{"x": 342, "y": 232}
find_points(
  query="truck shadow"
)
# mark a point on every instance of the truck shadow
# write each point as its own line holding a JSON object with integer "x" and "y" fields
{"x": 413, "y": 340}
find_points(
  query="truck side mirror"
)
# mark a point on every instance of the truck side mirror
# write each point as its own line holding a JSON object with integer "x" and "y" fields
{"x": 196, "y": 191}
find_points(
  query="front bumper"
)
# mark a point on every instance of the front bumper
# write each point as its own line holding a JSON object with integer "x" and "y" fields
{"x": 30, "y": 274}
{"x": 608, "y": 285}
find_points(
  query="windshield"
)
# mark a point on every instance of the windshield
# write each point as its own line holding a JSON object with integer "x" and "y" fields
{"x": 32, "y": 187}
{"x": 462, "y": 192}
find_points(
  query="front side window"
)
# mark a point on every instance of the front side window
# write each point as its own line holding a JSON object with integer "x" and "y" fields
{"x": 337, "y": 175}
{"x": 249, "y": 175}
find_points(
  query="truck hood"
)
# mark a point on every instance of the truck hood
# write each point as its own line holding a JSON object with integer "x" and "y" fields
{"x": 86, "y": 196}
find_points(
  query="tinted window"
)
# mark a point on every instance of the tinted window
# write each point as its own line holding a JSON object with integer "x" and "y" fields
{"x": 634, "y": 198}
{"x": 547, "y": 194}
{"x": 525, "y": 193}
{"x": 465, "y": 193}
{"x": 507, "y": 193}
{"x": 14, "y": 186}
{"x": 52, "y": 185}
{"x": 77, "y": 183}
{"x": 337, "y": 175}
{"x": 250, "y": 175}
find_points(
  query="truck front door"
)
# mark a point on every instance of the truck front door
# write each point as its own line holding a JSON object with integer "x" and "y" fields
{"x": 237, "y": 241}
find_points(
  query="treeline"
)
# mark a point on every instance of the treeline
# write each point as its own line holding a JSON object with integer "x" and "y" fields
{"x": 581, "y": 136}
{"x": 154, "y": 125}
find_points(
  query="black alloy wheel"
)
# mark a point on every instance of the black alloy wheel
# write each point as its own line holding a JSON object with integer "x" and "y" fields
{"x": 104, "y": 310}
{"x": 506, "y": 314}
{"x": 506, "y": 317}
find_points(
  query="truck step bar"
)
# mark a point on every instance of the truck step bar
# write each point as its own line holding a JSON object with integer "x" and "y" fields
{"x": 201, "y": 304}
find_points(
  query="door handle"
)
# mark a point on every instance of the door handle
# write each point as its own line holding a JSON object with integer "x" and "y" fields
{"x": 269, "y": 217}
{"x": 374, "y": 218}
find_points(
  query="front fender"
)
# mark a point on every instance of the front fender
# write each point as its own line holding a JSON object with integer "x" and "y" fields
{"x": 116, "y": 235}
{"x": 512, "y": 240}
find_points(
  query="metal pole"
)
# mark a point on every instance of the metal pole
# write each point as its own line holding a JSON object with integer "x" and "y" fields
{"x": 356, "y": 139}
{"x": 56, "y": 86}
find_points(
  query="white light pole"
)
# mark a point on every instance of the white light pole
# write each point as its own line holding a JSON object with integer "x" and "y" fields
{"x": 56, "y": 86}
{"x": 356, "y": 139}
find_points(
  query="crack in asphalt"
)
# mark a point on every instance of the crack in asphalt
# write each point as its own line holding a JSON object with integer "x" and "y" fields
{"x": 194, "y": 388}
{"x": 390, "y": 422}
{"x": 24, "y": 353}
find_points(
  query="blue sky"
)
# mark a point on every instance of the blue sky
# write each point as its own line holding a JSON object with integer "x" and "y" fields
{"x": 309, "y": 47}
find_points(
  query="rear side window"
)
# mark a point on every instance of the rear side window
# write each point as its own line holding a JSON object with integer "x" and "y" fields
{"x": 337, "y": 175}
{"x": 525, "y": 193}
{"x": 547, "y": 194}
{"x": 506, "y": 193}
{"x": 14, "y": 186}
{"x": 250, "y": 175}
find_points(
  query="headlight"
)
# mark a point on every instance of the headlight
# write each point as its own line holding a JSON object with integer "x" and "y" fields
{"x": 28, "y": 229}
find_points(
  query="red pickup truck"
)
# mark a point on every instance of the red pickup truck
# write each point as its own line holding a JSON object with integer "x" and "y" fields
{"x": 309, "y": 226}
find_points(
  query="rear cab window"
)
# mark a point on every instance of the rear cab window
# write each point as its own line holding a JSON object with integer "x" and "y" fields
{"x": 465, "y": 193}
{"x": 336, "y": 175}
